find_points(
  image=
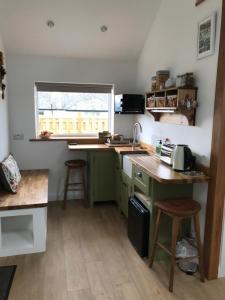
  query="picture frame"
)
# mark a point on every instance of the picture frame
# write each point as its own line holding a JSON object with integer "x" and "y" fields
{"x": 197, "y": 2}
{"x": 2, "y": 75}
{"x": 206, "y": 36}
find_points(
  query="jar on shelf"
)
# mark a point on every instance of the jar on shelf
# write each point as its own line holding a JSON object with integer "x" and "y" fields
{"x": 160, "y": 101}
{"x": 172, "y": 101}
{"x": 161, "y": 78}
{"x": 185, "y": 80}
{"x": 154, "y": 83}
{"x": 188, "y": 79}
{"x": 179, "y": 81}
{"x": 150, "y": 101}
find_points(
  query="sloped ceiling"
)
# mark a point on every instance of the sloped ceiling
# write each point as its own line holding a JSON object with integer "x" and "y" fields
{"x": 77, "y": 27}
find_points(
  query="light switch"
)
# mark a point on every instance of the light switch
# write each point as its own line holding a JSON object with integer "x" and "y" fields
{"x": 18, "y": 137}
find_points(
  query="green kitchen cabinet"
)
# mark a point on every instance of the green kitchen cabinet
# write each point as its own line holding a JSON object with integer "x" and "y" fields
{"x": 118, "y": 178}
{"x": 126, "y": 192}
{"x": 149, "y": 191}
{"x": 101, "y": 179}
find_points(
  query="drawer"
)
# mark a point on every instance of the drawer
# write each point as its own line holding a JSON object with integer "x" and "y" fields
{"x": 141, "y": 180}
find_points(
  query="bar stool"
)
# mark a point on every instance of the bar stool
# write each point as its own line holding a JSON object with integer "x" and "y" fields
{"x": 77, "y": 164}
{"x": 178, "y": 210}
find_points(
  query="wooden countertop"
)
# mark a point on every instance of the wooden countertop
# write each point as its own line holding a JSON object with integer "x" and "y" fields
{"x": 89, "y": 147}
{"x": 32, "y": 192}
{"x": 152, "y": 166}
{"x": 103, "y": 147}
{"x": 129, "y": 150}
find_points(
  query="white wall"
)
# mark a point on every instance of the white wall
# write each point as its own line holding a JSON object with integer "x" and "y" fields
{"x": 4, "y": 132}
{"x": 23, "y": 71}
{"x": 171, "y": 44}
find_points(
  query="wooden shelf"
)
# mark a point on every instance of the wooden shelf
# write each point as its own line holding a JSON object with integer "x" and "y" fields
{"x": 173, "y": 89}
{"x": 162, "y": 108}
{"x": 173, "y": 105}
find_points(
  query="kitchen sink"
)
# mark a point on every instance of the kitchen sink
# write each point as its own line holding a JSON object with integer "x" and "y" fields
{"x": 127, "y": 163}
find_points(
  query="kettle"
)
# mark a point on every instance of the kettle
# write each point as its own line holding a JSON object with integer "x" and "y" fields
{"x": 182, "y": 158}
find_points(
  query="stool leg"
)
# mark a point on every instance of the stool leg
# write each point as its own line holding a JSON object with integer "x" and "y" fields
{"x": 175, "y": 231}
{"x": 84, "y": 185}
{"x": 155, "y": 239}
{"x": 66, "y": 188}
{"x": 200, "y": 252}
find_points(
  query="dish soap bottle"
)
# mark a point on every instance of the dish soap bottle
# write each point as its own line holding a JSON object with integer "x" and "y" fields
{"x": 158, "y": 147}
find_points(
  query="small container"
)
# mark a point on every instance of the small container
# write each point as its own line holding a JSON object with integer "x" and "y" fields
{"x": 154, "y": 83}
{"x": 179, "y": 81}
{"x": 171, "y": 82}
{"x": 171, "y": 101}
{"x": 185, "y": 80}
{"x": 160, "y": 101}
{"x": 161, "y": 77}
{"x": 188, "y": 79}
{"x": 151, "y": 101}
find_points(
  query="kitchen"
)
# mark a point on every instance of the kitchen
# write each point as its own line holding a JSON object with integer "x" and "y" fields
{"x": 128, "y": 77}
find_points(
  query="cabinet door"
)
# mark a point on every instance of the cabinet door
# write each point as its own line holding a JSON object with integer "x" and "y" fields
{"x": 126, "y": 192}
{"x": 102, "y": 176}
{"x": 118, "y": 178}
{"x": 118, "y": 186}
{"x": 124, "y": 198}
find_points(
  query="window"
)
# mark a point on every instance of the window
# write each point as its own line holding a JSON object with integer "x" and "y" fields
{"x": 73, "y": 109}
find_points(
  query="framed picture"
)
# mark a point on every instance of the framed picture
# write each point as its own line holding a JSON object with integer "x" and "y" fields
{"x": 206, "y": 36}
{"x": 198, "y": 2}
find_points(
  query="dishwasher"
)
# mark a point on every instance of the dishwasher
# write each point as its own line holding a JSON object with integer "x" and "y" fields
{"x": 138, "y": 226}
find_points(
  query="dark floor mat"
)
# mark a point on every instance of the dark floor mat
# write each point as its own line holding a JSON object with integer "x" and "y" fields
{"x": 6, "y": 278}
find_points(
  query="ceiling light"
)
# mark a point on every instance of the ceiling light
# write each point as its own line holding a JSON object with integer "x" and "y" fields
{"x": 50, "y": 23}
{"x": 103, "y": 28}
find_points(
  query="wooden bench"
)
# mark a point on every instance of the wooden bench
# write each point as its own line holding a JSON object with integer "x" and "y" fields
{"x": 23, "y": 216}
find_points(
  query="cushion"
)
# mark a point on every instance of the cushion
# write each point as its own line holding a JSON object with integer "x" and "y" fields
{"x": 10, "y": 174}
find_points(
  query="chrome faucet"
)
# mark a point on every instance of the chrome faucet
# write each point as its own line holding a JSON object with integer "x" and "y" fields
{"x": 135, "y": 134}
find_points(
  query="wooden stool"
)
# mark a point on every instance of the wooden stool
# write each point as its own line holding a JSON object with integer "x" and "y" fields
{"x": 77, "y": 164}
{"x": 178, "y": 210}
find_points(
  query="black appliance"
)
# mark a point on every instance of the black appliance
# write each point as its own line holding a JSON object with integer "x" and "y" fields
{"x": 138, "y": 226}
{"x": 129, "y": 104}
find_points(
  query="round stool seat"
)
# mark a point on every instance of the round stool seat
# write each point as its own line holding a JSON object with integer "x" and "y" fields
{"x": 179, "y": 207}
{"x": 75, "y": 163}
{"x": 177, "y": 210}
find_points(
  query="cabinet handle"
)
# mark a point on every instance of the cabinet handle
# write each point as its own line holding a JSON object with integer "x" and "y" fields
{"x": 139, "y": 174}
{"x": 131, "y": 190}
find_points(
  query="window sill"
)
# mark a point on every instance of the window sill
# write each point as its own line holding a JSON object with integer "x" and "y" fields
{"x": 79, "y": 140}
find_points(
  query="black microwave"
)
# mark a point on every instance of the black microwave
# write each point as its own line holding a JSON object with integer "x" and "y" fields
{"x": 129, "y": 104}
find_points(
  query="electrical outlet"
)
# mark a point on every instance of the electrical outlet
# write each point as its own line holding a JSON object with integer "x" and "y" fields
{"x": 18, "y": 137}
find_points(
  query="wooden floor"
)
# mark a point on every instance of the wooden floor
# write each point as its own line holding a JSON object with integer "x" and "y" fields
{"x": 90, "y": 257}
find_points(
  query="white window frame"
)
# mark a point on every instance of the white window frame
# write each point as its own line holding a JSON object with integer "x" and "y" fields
{"x": 93, "y": 87}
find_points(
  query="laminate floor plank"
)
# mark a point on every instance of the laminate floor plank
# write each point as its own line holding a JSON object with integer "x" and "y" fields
{"x": 101, "y": 286}
{"x": 80, "y": 295}
{"x": 76, "y": 273}
{"x": 55, "y": 286}
{"x": 89, "y": 257}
